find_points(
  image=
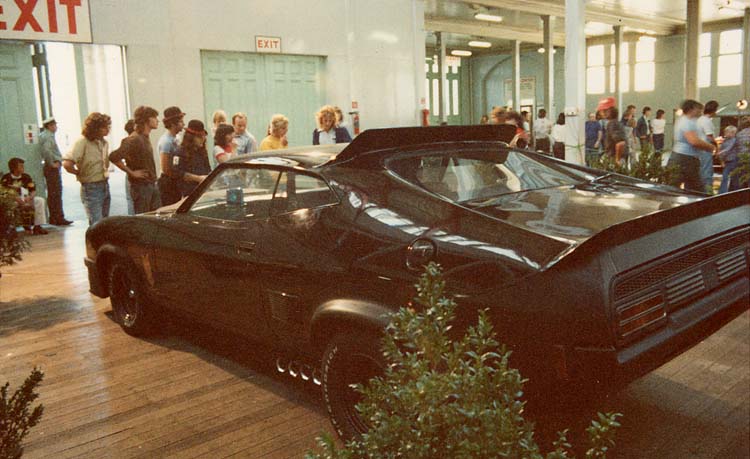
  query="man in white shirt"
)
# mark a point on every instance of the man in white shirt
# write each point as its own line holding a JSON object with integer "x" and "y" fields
{"x": 243, "y": 140}
{"x": 542, "y": 130}
{"x": 706, "y": 133}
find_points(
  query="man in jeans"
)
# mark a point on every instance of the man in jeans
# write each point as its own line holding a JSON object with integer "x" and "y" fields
{"x": 87, "y": 160}
{"x": 52, "y": 162}
{"x": 136, "y": 158}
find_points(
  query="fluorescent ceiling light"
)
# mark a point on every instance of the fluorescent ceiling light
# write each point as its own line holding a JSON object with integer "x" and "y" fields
{"x": 488, "y": 17}
{"x": 480, "y": 44}
{"x": 461, "y": 52}
{"x": 646, "y": 38}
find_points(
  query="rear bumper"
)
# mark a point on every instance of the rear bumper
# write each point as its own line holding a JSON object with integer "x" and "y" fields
{"x": 95, "y": 280}
{"x": 684, "y": 329}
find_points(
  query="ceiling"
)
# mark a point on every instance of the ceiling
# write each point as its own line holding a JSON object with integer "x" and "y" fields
{"x": 521, "y": 19}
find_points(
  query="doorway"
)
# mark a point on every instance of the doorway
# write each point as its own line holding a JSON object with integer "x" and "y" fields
{"x": 261, "y": 85}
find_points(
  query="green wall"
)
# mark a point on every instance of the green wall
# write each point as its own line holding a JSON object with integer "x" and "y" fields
{"x": 489, "y": 72}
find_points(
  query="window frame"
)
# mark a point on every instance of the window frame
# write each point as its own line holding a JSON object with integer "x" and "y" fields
{"x": 185, "y": 207}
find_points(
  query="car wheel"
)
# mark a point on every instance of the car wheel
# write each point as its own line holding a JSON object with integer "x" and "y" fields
{"x": 127, "y": 296}
{"x": 349, "y": 360}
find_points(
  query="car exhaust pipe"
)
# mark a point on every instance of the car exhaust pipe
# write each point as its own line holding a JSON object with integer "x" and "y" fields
{"x": 304, "y": 372}
{"x": 316, "y": 377}
{"x": 294, "y": 369}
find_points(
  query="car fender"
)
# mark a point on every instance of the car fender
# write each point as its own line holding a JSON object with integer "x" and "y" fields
{"x": 347, "y": 315}
{"x": 105, "y": 255}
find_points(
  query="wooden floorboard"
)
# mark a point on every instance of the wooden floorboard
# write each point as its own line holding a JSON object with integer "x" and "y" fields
{"x": 107, "y": 394}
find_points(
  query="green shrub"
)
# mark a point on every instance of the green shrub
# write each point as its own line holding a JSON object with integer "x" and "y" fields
{"x": 444, "y": 398}
{"x": 648, "y": 166}
{"x": 11, "y": 243}
{"x": 15, "y": 419}
{"x": 743, "y": 169}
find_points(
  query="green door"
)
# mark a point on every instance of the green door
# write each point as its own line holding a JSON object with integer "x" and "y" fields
{"x": 262, "y": 85}
{"x": 18, "y": 107}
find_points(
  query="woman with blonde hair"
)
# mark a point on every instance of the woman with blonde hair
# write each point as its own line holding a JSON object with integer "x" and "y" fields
{"x": 219, "y": 117}
{"x": 277, "y": 129}
{"x": 327, "y": 132}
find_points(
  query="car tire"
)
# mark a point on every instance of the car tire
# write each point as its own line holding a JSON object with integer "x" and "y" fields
{"x": 128, "y": 299}
{"x": 349, "y": 359}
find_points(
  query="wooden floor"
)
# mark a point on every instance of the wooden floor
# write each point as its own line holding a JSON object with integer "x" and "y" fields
{"x": 107, "y": 394}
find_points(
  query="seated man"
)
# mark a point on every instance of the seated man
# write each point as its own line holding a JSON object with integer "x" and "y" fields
{"x": 32, "y": 207}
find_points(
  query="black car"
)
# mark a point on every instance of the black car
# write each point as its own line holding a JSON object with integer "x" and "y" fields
{"x": 588, "y": 276}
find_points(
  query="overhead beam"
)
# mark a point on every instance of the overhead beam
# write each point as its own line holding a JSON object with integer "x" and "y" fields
{"x": 661, "y": 25}
{"x": 501, "y": 32}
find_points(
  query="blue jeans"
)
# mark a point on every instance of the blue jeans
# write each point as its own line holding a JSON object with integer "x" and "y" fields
{"x": 96, "y": 199}
{"x": 729, "y": 183}
{"x": 145, "y": 196}
{"x": 707, "y": 171}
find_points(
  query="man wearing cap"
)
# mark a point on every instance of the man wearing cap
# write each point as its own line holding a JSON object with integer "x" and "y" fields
{"x": 136, "y": 158}
{"x": 31, "y": 206}
{"x": 52, "y": 162}
{"x": 243, "y": 140}
{"x": 168, "y": 185}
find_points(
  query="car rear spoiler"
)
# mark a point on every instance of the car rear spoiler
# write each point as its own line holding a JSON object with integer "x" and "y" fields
{"x": 638, "y": 227}
{"x": 384, "y": 139}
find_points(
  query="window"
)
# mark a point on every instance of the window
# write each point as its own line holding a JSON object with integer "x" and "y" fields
{"x": 237, "y": 194}
{"x": 729, "y": 65}
{"x": 479, "y": 174}
{"x": 624, "y": 68}
{"x": 595, "y": 69}
{"x": 704, "y": 60}
{"x": 298, "y": 191}
{"x": 645, "y": 69}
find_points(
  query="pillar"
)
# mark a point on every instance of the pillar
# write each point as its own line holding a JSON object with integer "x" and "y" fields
{"x": 516, "y": 75}
{"x": 575, "y": 80}
{"x": 693, "y": 34}
{"x": 549, "y": 66}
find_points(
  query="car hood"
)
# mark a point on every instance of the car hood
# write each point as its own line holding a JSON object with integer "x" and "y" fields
{"x": 573, "y": 215}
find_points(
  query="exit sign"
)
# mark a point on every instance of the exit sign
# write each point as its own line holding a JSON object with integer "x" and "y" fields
{"x": 267, "y": 44}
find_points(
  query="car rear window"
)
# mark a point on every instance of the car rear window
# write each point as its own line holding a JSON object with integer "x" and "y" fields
{"x": 475, "y": 174}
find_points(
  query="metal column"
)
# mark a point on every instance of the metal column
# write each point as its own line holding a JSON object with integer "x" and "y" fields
{"x": 618, "y": 66}
{"x": 746, "y": 55}
{"x": 693, "y": 33}
{"x": 39, "y": 60}
{"x": 516, "y": 75}
{"x": 441, "y": 83}
{"x": 575, "y": 80}
{"x": 549, "y": 66}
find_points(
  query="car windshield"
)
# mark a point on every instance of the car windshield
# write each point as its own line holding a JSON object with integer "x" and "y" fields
{"x": 475, "y": 174}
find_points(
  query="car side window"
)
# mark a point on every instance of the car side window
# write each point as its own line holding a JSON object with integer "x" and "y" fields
{"x": 297, "y": 190}
{"x": 238, "y": 194}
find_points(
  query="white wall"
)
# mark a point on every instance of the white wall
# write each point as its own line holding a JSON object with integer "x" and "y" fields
{"x": 374, "y": 48}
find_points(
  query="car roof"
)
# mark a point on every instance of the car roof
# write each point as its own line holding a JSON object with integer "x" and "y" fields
{"x": 376, "y": 140}
{"x": 306, "y": 157}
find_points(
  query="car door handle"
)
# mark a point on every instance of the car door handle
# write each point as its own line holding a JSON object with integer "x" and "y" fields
{"x": 245, "y": 247}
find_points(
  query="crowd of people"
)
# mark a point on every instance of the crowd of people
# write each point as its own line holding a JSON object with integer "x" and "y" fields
{"x": 182, "y": 152}
{"x": 695, "y": 143}
{"x": 184, "y": 160}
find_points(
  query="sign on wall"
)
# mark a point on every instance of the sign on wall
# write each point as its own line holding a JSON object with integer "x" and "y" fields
{"x": 267, "y": 44}
{"x": 45, "y": 20}
{"x": 528, "y": 88}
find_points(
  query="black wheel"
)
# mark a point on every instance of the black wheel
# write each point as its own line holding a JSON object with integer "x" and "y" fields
{"x": 349, "y": 359}
{"x": 126, "y": 293}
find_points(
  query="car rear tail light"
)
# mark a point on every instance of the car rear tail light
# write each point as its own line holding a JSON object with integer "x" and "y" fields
{"x": 640, "y": 314}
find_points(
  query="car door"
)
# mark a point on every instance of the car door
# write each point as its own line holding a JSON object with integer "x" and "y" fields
{"x": 207, "y": 262}
{"x": 302, "y": 260}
